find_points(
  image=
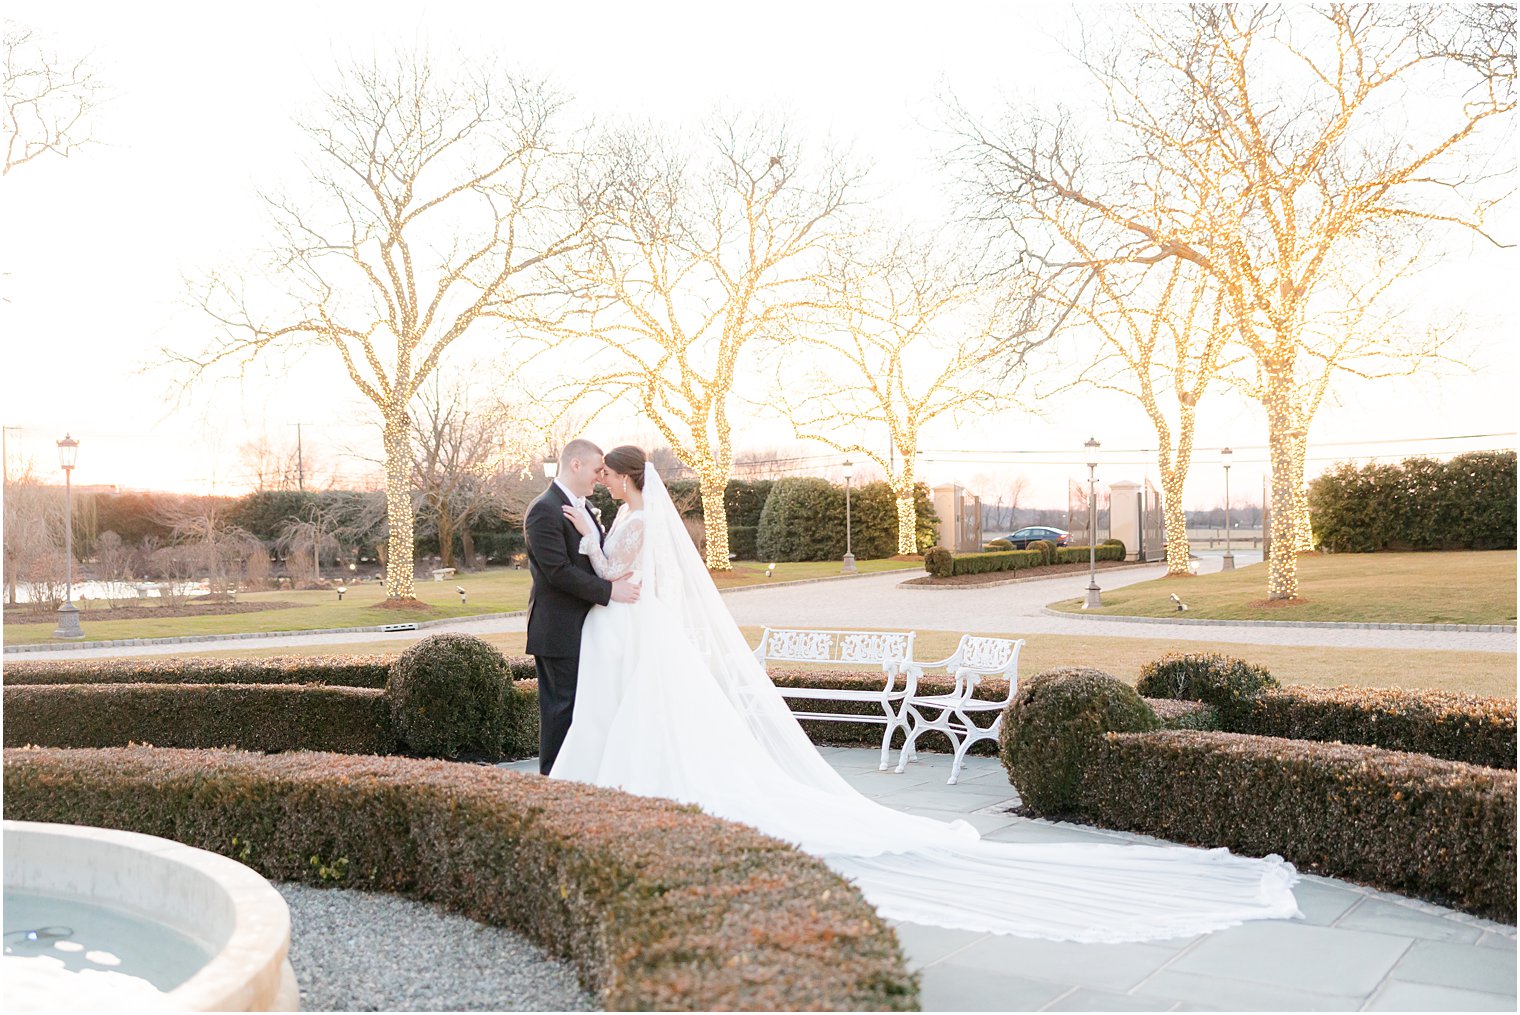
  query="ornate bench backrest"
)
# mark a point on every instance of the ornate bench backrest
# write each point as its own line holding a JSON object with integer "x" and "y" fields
{"x": 859, "y": 647}
{"x": 988, "y": 653}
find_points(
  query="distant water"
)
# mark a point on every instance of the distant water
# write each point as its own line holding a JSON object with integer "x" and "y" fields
{"x": 126, "y": 591}
{"x": 64, "y": 952}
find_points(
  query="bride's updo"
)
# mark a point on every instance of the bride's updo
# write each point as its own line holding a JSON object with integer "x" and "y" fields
{"x": 627, "y": 460}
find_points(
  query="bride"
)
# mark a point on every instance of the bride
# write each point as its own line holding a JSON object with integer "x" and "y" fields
{"x": 670, "y": 702}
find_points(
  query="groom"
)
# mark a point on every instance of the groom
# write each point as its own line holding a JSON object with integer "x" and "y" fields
{"x": 565, "y": 587}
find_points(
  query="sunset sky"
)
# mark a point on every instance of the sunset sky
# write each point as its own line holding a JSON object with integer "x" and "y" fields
{"x": 94, "y": 250}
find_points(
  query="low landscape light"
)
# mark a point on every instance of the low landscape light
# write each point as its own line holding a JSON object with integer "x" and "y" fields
{"x": 460, "y": 590}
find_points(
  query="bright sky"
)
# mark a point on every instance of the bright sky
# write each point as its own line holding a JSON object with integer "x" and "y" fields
{"x": 95, "y": 248}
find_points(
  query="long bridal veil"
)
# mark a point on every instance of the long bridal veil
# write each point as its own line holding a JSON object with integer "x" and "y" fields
{"x": 918, "y": 869}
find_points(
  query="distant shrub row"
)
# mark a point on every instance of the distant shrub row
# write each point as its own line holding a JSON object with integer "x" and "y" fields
{"x": 941, "y": 563}
{"x": 1465, "y": 503}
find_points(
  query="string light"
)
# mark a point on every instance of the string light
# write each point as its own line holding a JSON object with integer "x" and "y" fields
{"x": 1277, "y": 225}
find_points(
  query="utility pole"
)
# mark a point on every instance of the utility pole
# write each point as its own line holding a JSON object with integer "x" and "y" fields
{"x": 300, "y": 461}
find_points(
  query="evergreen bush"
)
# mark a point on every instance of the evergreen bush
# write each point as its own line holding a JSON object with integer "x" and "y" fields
{"x": 450, "y": 696}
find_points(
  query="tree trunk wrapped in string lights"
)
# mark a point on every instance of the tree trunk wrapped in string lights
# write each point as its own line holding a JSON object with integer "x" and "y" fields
{"x": 701, "y": 250}
{"x": 1255, "y": 142}
{"x": 438, "y": 201}
{"x": 908, "y": 336}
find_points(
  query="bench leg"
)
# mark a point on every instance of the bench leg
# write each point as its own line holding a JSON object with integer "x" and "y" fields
{"x": 913, "y": 722}
{"x": 886, "y": 744}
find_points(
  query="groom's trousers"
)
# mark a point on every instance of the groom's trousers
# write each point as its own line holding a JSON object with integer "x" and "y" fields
{"x": 556, "y": 704}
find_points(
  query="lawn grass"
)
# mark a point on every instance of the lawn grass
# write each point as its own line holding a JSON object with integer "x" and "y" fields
{"x": 1456, "y": 587}
{"x": 496, "y": 590}
{"x": 1486, "y": 673}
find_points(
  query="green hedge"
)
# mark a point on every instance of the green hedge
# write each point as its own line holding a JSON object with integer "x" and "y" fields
{"x": 980, "y": 563}
{"x": 255, "y": 717}
{"x": 1458, "y": 727}
{"x": 1408, "y": 823}
{"x": 1443, "y": 724}
{"x": 1467, "y": 502}
{"x": 1079, "y": 554}
{"x": 741, "y": 542}
{"x": 336, "y": 670}
{"x": 658, "y": 906}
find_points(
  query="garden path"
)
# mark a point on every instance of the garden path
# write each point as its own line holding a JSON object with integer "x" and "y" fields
{"x": 876, "y": 601}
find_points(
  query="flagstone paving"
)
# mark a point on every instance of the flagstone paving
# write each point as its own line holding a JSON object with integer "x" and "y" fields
{"x": 1356, "y": 949}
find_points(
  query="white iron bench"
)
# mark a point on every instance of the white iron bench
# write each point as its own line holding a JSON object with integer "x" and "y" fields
{"x": 886, "y": 649}
{"x": 973, "y": 660}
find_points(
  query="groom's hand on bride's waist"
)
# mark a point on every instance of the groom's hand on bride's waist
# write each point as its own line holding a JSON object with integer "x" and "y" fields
{"x": 625, "y": 589}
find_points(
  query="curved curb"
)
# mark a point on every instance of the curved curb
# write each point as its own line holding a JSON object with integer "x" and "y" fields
{"x": 813, "y": 581}
{"x": 246, "y": 635}
{"x": 1339, "y": 625}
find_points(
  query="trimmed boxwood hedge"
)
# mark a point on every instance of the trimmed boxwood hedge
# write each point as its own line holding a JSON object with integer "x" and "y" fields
{"x": 336, "y": 670}
{"x": 1444, "y": 724}
{"x": 1408, "y": 823}
{"x": 658, "y": 906}
{"x": 255, "y": 717}
{"x": 1113, "y": 550}
{"x": 275, "y": 718}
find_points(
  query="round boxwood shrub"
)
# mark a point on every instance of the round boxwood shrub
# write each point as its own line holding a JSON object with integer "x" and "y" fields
{"x": 998, "y": 545}
{"x": 1046, "y": 547}
{"x": 1055, "y": 721}
{"x": 1227, "y": 683}
{"x": 939, "y": 562}
{"x": 1116, "y": 542}
{"x": 450, "y": 696}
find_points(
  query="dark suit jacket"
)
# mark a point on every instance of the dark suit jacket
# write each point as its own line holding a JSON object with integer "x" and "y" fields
{"x": 565, "y": 586}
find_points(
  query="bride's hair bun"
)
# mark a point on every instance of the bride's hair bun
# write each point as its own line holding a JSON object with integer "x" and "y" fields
{"x": 627, "y": 460}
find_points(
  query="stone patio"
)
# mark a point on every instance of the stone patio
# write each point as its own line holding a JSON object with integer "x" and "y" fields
{"x": 1356, "y": 950}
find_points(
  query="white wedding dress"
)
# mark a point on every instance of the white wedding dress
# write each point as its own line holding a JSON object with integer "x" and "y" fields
{"x": 670, "y": 702}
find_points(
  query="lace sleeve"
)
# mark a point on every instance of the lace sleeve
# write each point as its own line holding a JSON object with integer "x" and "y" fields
{"x": 621, "y": 552}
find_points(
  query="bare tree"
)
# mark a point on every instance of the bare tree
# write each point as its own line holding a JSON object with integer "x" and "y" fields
{"x": 456, "y": 448}
{"x": 206, "y": 544}
{"x": 48, "y": 98}
{"x": 699, "y": 254}
{"x": 906, "y": 335}
{"x": 1279, "y": 150}
{"x": 33, "y": 531}
{"x": 440, "y": 201}
{"x": 1164, "y": 337}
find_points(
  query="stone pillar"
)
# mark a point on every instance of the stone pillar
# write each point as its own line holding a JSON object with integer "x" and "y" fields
{"x": 1124, "y": 515}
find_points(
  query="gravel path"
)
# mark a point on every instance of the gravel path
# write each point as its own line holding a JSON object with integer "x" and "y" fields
{"x": 371, "y": 951}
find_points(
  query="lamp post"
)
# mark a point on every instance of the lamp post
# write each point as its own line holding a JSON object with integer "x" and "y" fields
{"x": 68, "y": 614}
{"x": 849, "y": 556}
{"x": 1094, "y": 598}
{"x": 1229, "y": 558}
{"x": 551, "y": 468}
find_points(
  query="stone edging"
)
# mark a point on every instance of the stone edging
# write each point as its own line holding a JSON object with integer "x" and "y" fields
{"x": 246, "y": 635}
{"x": 813, "y": 581}
{"x": 1031, "y": 578}
{"x": 1341, "y": 625}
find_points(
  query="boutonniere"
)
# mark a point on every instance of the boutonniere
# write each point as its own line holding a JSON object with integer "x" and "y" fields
{"x": 596, "y": 512}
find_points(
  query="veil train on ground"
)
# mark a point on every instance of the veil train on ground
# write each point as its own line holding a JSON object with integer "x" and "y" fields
{"x": 704, "y": 724}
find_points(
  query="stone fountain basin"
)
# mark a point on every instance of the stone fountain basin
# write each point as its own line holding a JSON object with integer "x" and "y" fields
{"x": 231, "y": 911}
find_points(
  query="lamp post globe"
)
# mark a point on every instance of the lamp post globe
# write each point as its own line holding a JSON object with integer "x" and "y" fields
{"x": 1094, "y": 594}
{"x": 551, "y": 468}
{"x": 68, "y": 613}
{"x": 1229, "y": 556}
{"x": 849, "y": 555}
